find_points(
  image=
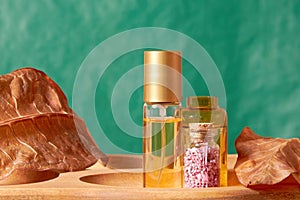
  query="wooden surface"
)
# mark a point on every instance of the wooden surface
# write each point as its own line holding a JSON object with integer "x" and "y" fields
{"x": 99, "y": 182}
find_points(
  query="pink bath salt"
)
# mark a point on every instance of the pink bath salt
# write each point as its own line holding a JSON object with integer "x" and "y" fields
{"x": 201, "y": 167}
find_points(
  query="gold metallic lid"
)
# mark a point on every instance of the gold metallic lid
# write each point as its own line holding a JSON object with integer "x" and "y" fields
{"x": 162, "y": 76}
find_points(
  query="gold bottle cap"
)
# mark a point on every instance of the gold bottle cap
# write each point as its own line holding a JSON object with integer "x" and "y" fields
{"x": 162, "y": 77}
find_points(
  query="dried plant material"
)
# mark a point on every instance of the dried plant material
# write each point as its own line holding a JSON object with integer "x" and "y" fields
{"x": 266, "y": 161}
{"x": 38, "y": 130}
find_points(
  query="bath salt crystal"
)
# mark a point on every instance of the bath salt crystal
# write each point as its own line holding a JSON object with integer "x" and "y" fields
{"x": 201, "y": 168}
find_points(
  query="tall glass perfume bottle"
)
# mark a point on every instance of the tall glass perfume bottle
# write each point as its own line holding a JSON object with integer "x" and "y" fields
{"x": 162, "y": 143}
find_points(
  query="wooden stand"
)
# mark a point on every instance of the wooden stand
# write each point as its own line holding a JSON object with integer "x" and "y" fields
{"x": 125, "y": 182}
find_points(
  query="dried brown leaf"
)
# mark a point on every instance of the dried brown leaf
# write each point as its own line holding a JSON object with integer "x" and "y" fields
{"x": 38, "y": 130}
{"x": 266, "y": 161}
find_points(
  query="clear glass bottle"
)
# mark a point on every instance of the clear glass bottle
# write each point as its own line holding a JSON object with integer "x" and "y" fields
{"x": 204, "y": 126}
{"x": 162, "y": 143}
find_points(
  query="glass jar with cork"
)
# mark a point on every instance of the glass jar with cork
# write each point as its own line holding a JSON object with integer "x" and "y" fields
{"x": 204, "y": 126}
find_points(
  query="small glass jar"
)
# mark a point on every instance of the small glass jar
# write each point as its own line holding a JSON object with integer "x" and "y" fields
{"x": 204, "y": 125}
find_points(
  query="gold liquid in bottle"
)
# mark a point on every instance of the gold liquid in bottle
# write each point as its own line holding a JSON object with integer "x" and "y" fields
{"x": 223, "y": 156}
{"x": 161, "y": 157}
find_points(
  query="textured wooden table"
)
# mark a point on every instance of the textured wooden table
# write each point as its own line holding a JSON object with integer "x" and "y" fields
{"x": 99, "y": 182}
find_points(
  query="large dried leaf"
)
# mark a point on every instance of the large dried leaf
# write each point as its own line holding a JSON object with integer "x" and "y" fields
{"x": 266, "y": 161}
{"x": 38, "y": 130}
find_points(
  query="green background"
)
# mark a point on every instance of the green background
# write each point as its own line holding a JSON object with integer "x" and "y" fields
{"x": 255, "y": 44}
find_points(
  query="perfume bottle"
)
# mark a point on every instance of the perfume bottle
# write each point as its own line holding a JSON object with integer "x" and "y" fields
{"x": 162, "y": 143}
{"x": 204, "y": 126}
